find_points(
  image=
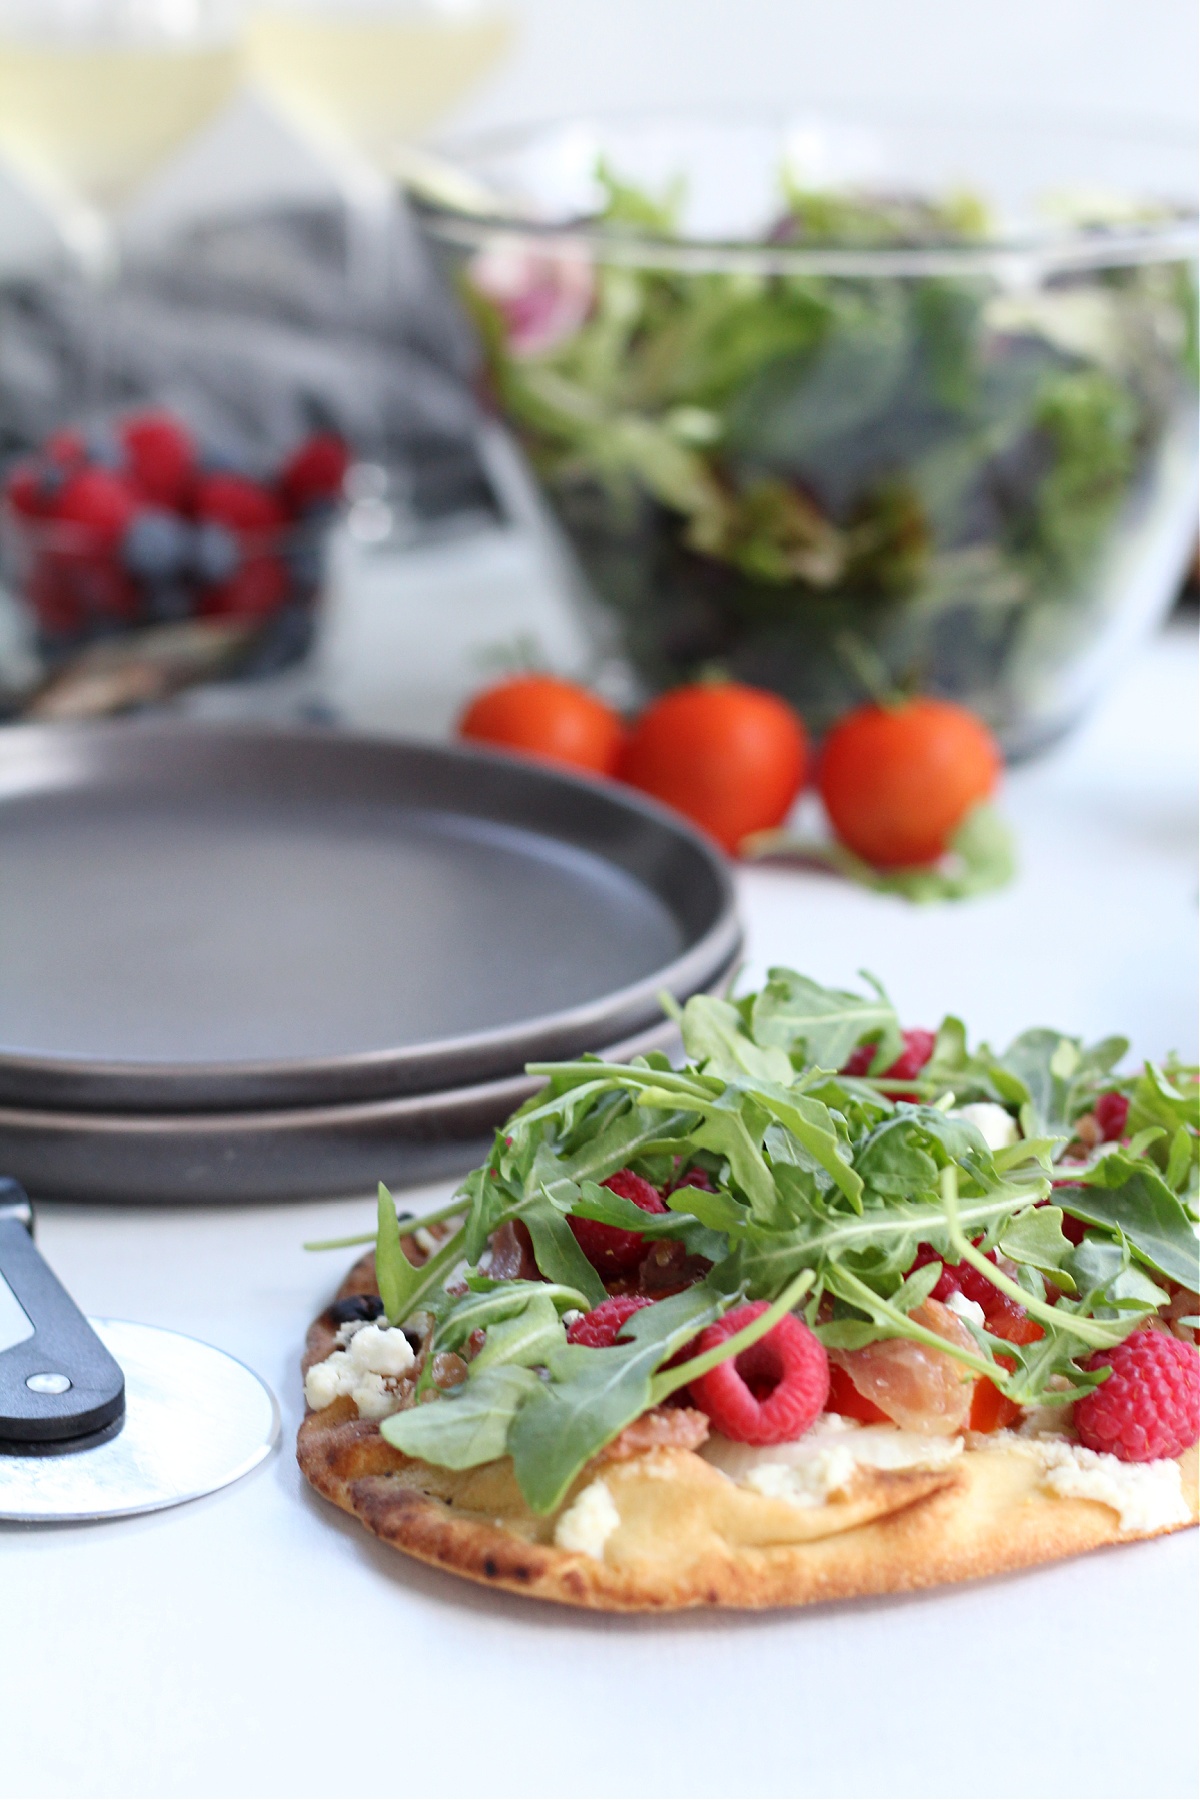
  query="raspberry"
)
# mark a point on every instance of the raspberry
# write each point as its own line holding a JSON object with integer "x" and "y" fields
{"x": 28, "y": 491}
{"x": 693, "y": 1178}
{"x": 611, "y": 1251}
{"x": 1112, "y": 1112}
{"x": 960, "y": 1278}
{"x": 313, "y": 476}
{"x": 67, "y": 448}
{"x": 602, "y": 1326}
{"x": 773, "y": 1391}
{"x": 162, "y": 457}
{"x": 259, "y": 587}
{"x": 918, "y": 1048}
{"x": 1149, "y": 1406}
{"x": 99, "y": 501}
{"x": 244, "y": 505}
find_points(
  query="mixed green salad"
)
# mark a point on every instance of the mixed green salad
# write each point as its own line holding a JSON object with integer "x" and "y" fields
{"x": 751, "y": 466}
{"x": 789, "y": 1181}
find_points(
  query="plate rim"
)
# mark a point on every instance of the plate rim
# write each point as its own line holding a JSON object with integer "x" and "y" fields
{"x": 32, "y": 1082}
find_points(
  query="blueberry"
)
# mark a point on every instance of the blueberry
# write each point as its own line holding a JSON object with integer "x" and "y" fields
{"x": 216, "y": 554}
{"x": 157, "y": 545}
{"x": 358, "y": 1306}
{"x": 103, "y": 450}
{"x": 220, "y": 459}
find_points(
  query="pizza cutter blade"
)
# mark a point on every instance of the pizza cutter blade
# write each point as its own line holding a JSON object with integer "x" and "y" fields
{"x": 100, "y": 1418}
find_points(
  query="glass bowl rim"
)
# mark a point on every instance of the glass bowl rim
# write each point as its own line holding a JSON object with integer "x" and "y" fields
{"x": 453, "y": 204}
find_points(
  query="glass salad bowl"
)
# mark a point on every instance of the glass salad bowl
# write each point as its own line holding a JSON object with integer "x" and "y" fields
{"x": 827, "y": 406}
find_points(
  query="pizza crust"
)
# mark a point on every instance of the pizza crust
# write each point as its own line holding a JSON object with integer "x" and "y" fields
{"x": 687, "y": 1536}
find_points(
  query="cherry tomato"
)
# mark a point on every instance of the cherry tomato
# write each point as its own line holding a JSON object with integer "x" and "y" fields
{"x": 898, "y": 782}
{"x": 990, "y": 1409}
{"x": 845, "y": 1398}
{"x": 540, "y": 715}
{"x": 730, "y": 758}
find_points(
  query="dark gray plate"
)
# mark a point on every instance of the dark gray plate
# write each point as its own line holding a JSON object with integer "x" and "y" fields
{"x": 306, "y": 1153}
{"x": 194, "y": 919}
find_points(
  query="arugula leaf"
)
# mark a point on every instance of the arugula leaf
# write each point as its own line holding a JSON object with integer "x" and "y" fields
{"x": 1057, "y": 1076}
{"x": 396, "y": 1276}
{"x": 823, "y": 1025}
{"x": 402, "y": 1287}
{"x": 718, "y": 1212}
{"x": 594, "y": 1394}
{"x": 1103, "y": 1271}
{"x": 467, "y": 1427}
{"x": 713, "y": 1039}
{"x": 810, "y": 1123}
{"x": 1036, "y": 1237}
{"x": 489, "y": 1302}
{"x": 1134, "y": 1199}
{"x": 607, "y": 1208}
{"x": 525, "y": 1340}
{"x": 726, "y": 1129}
{"x": 826, "y": 1189}
{"x": 556, "y": 1252}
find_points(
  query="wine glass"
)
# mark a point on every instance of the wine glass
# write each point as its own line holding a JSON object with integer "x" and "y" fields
{"x": 373, "y": 73}
{"x": 95, "y": 94}
{"x": 359, "y": 78}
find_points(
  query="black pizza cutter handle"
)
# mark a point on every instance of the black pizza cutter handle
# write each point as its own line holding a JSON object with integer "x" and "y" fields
{"x": 58, "y": 1383}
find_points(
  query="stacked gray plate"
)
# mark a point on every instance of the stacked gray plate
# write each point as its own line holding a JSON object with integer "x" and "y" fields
{"x": 247, "y": 965}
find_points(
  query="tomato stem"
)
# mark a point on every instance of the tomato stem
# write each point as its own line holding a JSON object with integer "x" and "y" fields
{"x": 869, "y": 668}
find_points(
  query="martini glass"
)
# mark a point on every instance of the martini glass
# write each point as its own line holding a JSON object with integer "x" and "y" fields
{"x": 96, "y": 94}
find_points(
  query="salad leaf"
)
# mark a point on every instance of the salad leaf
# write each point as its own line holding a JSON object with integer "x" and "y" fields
{"x": 980, "y": 858}
{"x": 1132, "y": 1198}
{"x": 556, "y": 1252}
{"x": 826, "y": 1191}
{"x": 824, "y": 1025}
{"x": 748, "y": 464}
{"x": 526, "y": 1340}
{"x": 594, "y": 1394}
{"x": 1036, "y": 1237}
{"x": 468, "y": 1427}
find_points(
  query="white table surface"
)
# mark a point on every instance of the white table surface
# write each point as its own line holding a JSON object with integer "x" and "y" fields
{"x": 258, "y": 1643}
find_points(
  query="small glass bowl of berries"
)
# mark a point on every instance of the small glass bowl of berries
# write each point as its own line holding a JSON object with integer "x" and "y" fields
{"x": 139, "y": 524}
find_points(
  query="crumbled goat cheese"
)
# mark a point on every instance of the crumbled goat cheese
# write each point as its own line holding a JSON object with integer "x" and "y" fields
{"x": 996, "y": 1127}
{"x": 588, "y": 1522}
{"x": 1146, "y": 1496}
{"x": 381, "y": 1349}
{"x": 824, "y": 1461}
{"x": 375, "y": 1355}
{"x": 966, "y": 1309}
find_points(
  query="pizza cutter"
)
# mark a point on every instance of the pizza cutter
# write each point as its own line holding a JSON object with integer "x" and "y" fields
{"x": 100, "y": 1418}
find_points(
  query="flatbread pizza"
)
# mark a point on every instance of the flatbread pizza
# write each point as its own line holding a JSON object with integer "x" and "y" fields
{"x": 831, "y": 1310}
